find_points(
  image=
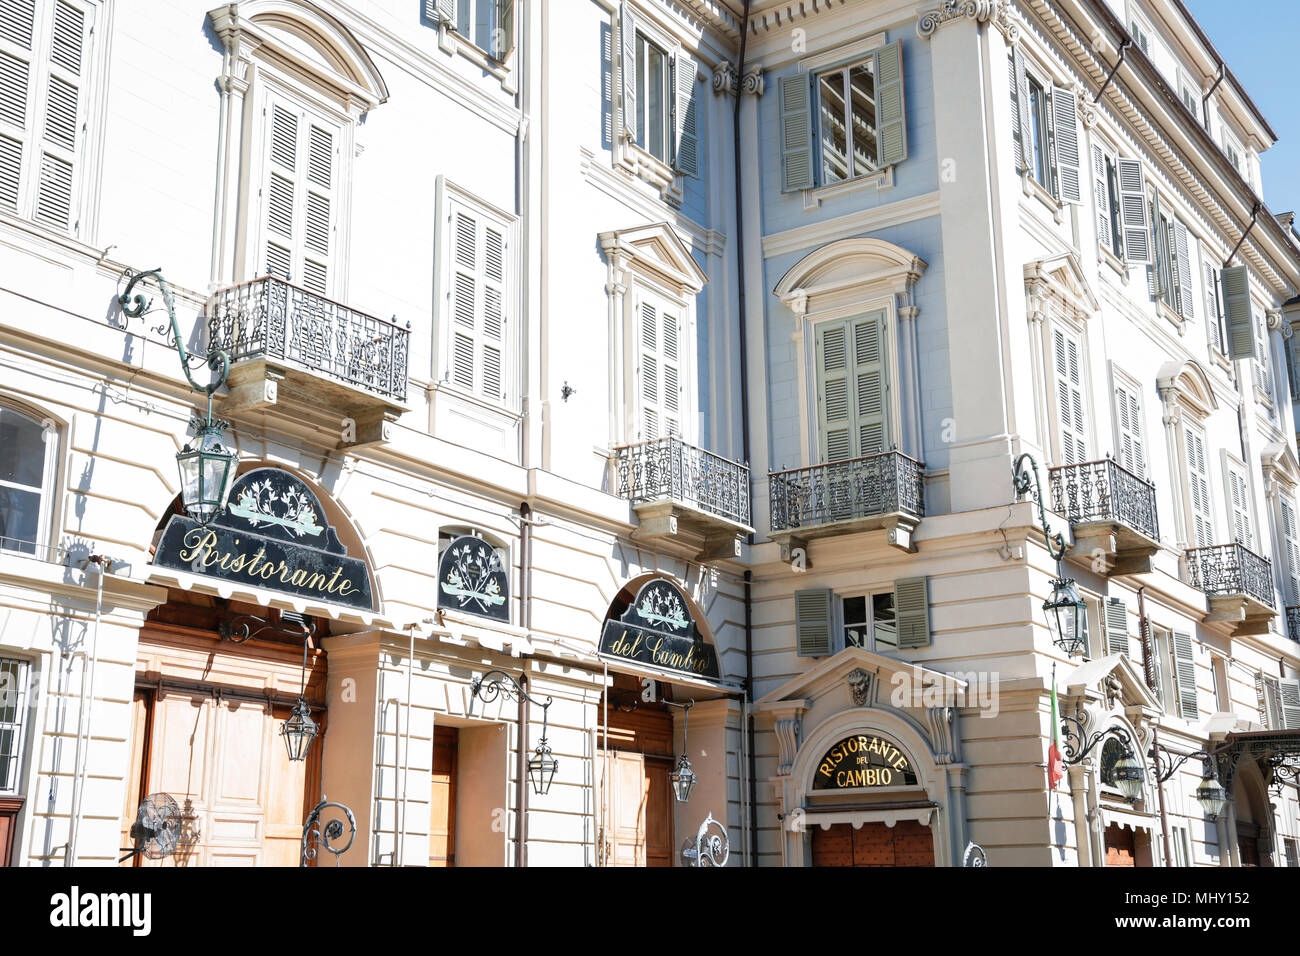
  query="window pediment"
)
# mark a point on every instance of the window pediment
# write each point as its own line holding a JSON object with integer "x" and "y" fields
{"x": 1187, "y": 383}
{"x": 1062, "y": 279}
{"x": 655, "y": 252}
{"x": 861, "y": 265}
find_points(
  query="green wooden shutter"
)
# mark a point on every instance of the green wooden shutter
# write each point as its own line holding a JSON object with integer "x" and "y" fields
{"x": 1289, "y": 692}
{"x": 1133, "y": 211}
{"x": 796, "y": 134}
{"x": 1183, "y": 266}
{"x": 1236, "y": 306}
{"x": 1020, "y": 110}
{"x": 812, "y": 622}
{"x": 912, "y": 609}
{"x": 891, "y": 118}
{"x": 869, "y": 387}
{"x": 1117, "y": 641}
{"x": 1065, "y": 138}
{"x": 686, "y": 115}
{"x": 1185, "y": 668}
{"x": 834, "y": 413}
{"x": 627, "y": 71}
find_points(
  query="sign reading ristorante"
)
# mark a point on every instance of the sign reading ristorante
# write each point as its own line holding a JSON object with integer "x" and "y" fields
{"x": 273, "y": 535}
{"x": 863, "y": 760}
{"x": 657, "y": 629}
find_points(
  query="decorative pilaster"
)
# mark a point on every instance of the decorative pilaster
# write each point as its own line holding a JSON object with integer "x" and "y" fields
{"x": 725, "y": 80}
{"x": 997, "y": 12}
{"x": 752, "y": 82}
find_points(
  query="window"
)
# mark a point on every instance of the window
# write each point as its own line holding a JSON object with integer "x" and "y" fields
{"x": 662, "y": 406}
{"x": 1182, "y": 847}
{"x": 1214, "y": 326}
{"x": 1232, "y": 149}
{"x": 298, "y": 190}
{"x": 1141, "y": 34}
{"x": 1279, "y": 702}
{"x": 1164, "y": 668}
{"x": 1045, "y": 134}
{"x": 1106, "y": 192}
{"x": 44, "y": 82}
{"x": 1200, "y": 519}
{"x": 1128, "y": 426}
{"x": 13, "y": 711}
{"x": 488, "y": 24}
{"x": 846, "y": 121}
{"x": 870, "y": 622}
{"x": 1190, "y": 92}
{"x": 660, "y": 107}
{"x": 1069, "y": 397}
{"x": 850, "y": 117}
{"x": 476, "y": 299}
{"x": 28, "y": 454}
{"x": 1171, "y": 271}
{"x": 851, "y": 388}
{"x": 1290, "y": 851}
{"x": 1238, "y": 500}
{"x": 1291, "y": 544}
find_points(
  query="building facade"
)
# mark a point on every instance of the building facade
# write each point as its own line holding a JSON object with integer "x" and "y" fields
{"x": 672, "y": 360}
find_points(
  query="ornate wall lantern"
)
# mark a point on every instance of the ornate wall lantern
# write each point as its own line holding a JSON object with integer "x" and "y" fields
{"x": 541, "y": 766}
{"x": 1124, "y": 769}
{"x": 1210, "y": 793}
{"x": 1067, "y": 615}
{"x": 683, "y": 777}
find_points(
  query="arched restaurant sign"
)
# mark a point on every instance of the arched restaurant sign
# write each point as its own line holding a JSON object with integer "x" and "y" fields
{"x": 864, "y": 760}
{"x": 471, "y": 578}
{"x": 273, "y": 535}
{"x": 658, "y": 629}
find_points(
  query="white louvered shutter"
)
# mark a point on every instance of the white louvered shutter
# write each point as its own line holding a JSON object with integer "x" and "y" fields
{"x": 1289, "y": 703}
{"x": 1213, "y": 311}
{"x": 661, "y": 384}
{"x": 1022, "y": 131}
{"x": 1069, "y": 397}
{"x": 1128, "y": 417}
{"x": 43, "y": 80}
{"x": 1101, "y": 196}
{"x": 1183, "y": 266}
{"x": 1117, "y": 640}
{"x": 1235, "y": 287}
{"x": 686, "y": 115}
{"x": 1065, "y": 126}
{"x": 477, "y": 297}
{"x": 1198, "y": 481}
{"x": 627, "y": 71}
{"x": 1291, "y": 541}
{"x": 298, "y": 196}
{"x": 1133, "y": 211}
{"x": 1238, "y": 506}
{"x": 1263, "y": 368}
{"x": 1185, "y": 675}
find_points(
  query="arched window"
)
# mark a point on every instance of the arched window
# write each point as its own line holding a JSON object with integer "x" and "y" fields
{"x": 28, "y": 456}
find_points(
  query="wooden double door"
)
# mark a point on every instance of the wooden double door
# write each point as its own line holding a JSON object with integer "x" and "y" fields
{"x": 906, "y": 843}
{"x": 636, "y": 788}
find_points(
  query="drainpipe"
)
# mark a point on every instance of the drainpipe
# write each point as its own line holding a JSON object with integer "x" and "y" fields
{"x": 1205, "y": 100}
{"x": 1115, "y": 69}
{"x": 83, "y": 709}
{"x": 525, "y": 621}
{"x": 744, "y": 424}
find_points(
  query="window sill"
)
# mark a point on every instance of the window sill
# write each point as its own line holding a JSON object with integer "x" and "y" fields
{"x": 1115, "y": 262}
{"x": 641, "y": 164}
{"x": 451, "y": 42}
{"x": 880, "y": 179}
{"x": 1171, "y": 316}
{"x": 1033, "y": 188}
{"x": 494, "y": 408}
{"x": 1219, "y": 359}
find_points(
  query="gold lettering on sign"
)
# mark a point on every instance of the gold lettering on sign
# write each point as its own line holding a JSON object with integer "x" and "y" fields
{"x": 201, "y": 547}
{"x": 850, "y": 763}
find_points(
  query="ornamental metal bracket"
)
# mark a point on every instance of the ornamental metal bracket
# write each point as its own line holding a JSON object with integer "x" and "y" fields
{"x": 239, "y": 628}
{"x": 316, "y": 837}
{"x": 974, "y": 856}
{"x": 708, "y": 848}
{"x": 134, "y": 306}
{"x": 1025, "y": 477}
{"x": 1077, "y": 743}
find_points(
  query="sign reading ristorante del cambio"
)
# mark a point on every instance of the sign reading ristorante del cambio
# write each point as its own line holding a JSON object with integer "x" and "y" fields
{"x": 863, "y": 760}
{"x": 273, "y": 535}
{"x": 472, "y": 579}
{"x": 657, "y": 629}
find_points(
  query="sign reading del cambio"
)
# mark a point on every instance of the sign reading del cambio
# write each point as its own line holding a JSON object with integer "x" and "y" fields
{"x": 863, "y": 760}
{"x": 273, "y": 535}
{"x": 658, "y": 629}
{"x": 471, "y": 578}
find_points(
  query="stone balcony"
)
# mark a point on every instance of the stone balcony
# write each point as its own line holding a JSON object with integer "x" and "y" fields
{"x": 1238, "y": 583}
{"x": 679, "y": 490}
{"x": 883, "y": 491}
{"x": 296, "y": 351}
{"x": 1112, "y": 513}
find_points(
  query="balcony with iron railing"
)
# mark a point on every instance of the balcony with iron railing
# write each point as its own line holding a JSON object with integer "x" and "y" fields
{"x": 885, "y": 490}
{"x": 675, "y": 486}
{"x": 1112, "y": 513}
{"x": 1238, "y": 583}
{"x": 325, "y": 353}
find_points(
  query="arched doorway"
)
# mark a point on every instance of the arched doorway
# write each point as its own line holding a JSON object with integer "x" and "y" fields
{"x": 1252, "y": 817}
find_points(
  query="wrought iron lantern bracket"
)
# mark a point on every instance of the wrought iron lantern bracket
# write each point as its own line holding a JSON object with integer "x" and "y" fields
{"x": 1025, "y": 476}
{"x": 542, "y": 766}
{"x": 134, "y": 306}
{"x": 316, "y": 837}
{"x": 1077, "y": 743}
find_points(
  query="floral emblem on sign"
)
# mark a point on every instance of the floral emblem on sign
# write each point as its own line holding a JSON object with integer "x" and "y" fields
{"x": 473, "y": 575}
{"x": 258, "y": 502}
{"x": 662, "y": 606}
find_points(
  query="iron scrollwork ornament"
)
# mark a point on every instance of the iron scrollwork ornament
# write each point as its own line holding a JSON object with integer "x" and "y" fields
{"x": 1027, "y": 482}
{"x": 974, "y": 856}
{"x": 317, "y": 835}
{"x": 711, "y": 846}
{"x": 136, "y": 305}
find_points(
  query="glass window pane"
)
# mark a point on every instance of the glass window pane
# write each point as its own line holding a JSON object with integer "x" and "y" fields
{"x": 1038, "y": 122}
{"x": 657, "y": 107}
{"x": 834, "y": 140}
{"x": 855, "y": 622}
{"x": 22, "y": 449}
{"x": 19, "y": 518}
{"x": 640, "y": 92}
{"x": 862, "y": 85}
{"x": 885, "y": 626}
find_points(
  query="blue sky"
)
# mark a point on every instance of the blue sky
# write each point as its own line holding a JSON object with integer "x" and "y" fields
{"x": 1260, "y": 40}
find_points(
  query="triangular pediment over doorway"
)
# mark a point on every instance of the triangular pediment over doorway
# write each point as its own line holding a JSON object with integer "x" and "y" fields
{"x": 833, "y": 673}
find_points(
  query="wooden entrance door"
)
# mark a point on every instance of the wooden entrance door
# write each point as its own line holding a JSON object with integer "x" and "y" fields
{"x": 1121, "y": 846}
{"x": 242, "y": 800}
{"x": 442, "y": 802}
{"x": 636, "y": 789}
{"x": 907, "y": 843}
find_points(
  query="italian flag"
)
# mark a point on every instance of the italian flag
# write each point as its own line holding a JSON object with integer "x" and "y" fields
{"x": 1055, "y": 762}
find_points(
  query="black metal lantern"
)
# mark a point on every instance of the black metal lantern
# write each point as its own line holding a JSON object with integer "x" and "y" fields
{"x": 299, "y": 731}
{"x": 683, "y": 779}
{"x": 542, "y": 767}
{"x": 207, "y": 467}
{"x": 1128, "y": 776}
{"x": 1067, "y": 616}
{"x": 207, "y": 470}
{"x": 1210, "y": 794}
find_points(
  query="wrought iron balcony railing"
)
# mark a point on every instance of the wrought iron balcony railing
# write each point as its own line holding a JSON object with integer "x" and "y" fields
{"x": 1104, "y": 491}
{"x": 847, "y": 490}
{"x": 669, "y": 468}
{"x": 1231, "y": 569}
{"x": 269, "y": 318}
{"x": 1293, "y": 623}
